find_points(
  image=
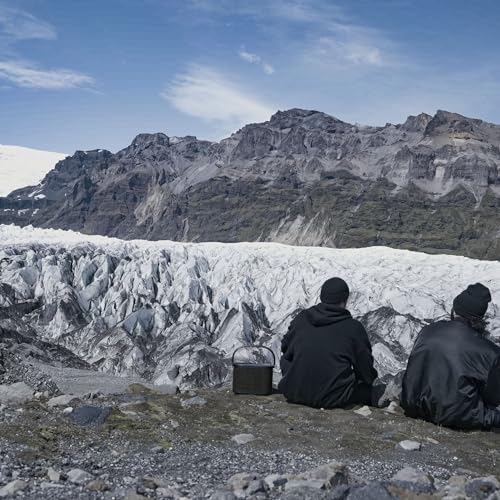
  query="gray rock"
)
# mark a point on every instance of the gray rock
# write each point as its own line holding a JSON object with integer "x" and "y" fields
{"x": 454, "y": 489}
{"x": 222, "y": 495}
{"x": 409, "y": 445}
{"x": 330, "y": 474}
{"x": 482, "y": 487}
{"x": 132, "y": 495}
{"x": 370, "y": 491}
{"x": 45, "y": 485}
{"x": 408, "y": 489}
{"x": 15, "y": 394}
{"x": 256, "y": 486}
{"x": 13, "y": 488}
{"x": 305, "y": 493}
{"x": 79, "y": 476}
{"x": 158, "y": 449}
{"x": 340, "y": 492}
{"x": 311, "y": 484}
{"x": 412, "y": 475}
{"x": 392, "y": 392}
{"x": 275, "y": 481}
{"x": 167, "y": 389}
{"x": 62, "y": 400}
{"x": 194, "y": 401}
{"x": 90, "y": 415}
{"x": 153, "y": 482}
{"x": 239, "y": 483}
{"x": 243, "y": 438}
{"x": 97, "y": 485}
{"x": 393, "y": 408}
{"x": 364, "y": 411}
{"x": 166, "y": 492}
{"x": 53, "y": 475}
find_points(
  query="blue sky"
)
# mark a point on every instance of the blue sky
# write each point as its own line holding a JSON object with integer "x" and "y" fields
{"x": 93, "y": 74}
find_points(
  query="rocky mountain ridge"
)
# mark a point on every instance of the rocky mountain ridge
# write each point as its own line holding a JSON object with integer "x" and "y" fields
{"x": 304, "y": 178}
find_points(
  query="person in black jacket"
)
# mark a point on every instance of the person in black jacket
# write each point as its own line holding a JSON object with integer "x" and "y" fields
{"x": 453, "y": 374}
{"x": 326, "y": 357}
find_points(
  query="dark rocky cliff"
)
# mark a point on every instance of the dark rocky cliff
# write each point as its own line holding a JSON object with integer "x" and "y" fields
{"x": 306, "y": 178}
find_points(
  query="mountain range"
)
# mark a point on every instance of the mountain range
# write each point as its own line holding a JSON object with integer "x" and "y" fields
{"x": 303, "y": 178}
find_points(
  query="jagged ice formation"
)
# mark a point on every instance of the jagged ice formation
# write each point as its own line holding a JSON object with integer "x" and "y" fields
{"x": 174, "y": 312}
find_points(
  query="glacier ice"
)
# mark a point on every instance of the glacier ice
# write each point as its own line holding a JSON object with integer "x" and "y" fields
{"x": 21, "y": 167}
{"x": 174, "y": 312}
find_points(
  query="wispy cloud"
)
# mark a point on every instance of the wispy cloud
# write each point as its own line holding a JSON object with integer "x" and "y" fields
{"x": 207, "y": 94}
{"x": 17, "y": 25}
{"x": 21, "y": 25}
{"x": 352, "y": 46}
{"x": 249, "y": 57}
{"x": 256, "y": 59}
{"x": 268, "y": 69}
{"x": 327, "y": 35}
{"x": 26, "y": 75}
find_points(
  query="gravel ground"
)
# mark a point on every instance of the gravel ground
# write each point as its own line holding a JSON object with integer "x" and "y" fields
{"x": 149, "y": 442}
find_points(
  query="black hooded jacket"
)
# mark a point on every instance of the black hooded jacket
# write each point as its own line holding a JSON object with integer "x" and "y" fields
{"x": 324, "y": 355}
{"x": 453, "y": 377}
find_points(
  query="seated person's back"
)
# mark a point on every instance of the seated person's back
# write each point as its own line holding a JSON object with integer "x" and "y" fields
{"x": 326, "y": 355}
{"x": 453, "y": 377}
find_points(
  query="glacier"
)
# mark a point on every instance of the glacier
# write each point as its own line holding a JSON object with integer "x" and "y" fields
{"x": 174, "y": 312}
{"x": 21, "y": 167}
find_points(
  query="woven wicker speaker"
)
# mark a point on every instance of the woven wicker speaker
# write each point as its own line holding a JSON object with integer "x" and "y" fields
{"x": 253, "y": 378}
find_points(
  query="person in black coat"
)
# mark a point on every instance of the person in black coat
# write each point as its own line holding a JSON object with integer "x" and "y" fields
{"x": 326, "y": 357}
{"x": 453, "y": 373}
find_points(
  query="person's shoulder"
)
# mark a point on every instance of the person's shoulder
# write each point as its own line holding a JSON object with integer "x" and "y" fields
{"x": 299, "y": 316}
{"x": 490, "y": 344}
{"x": 439, "y": 326}
{"x": 356, "y": 325}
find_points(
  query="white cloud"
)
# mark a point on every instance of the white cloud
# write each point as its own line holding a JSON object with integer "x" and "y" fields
{"x": 327, "y": 34}
{"x": 341, "y": 51}
{"x": 249, "y": 57}
{"x": 204, "y": 93}
{"x": 256, "y": 59}
{"x": 21, "y": 25}
{"x": 25, "y": 75}
{"x": 268, "y": 69}
{"x": 17, "y": 25}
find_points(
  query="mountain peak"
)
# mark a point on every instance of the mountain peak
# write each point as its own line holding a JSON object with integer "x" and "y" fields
{"x": 303, "y": 117}
{"x": 445, "y": 122}
{"x": 417, "y": 123}
{"x": 295, "y": 113}
{"x": 144, "y": 140}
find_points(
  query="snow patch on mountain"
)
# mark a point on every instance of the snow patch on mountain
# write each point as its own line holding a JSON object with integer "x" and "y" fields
{"x": 21, "y": 167}
{"x": 174, "y": 312}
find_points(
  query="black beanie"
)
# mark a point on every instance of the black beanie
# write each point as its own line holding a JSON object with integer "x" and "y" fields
{"x": 334, "y": 291}
{"x": 472, "y": 302}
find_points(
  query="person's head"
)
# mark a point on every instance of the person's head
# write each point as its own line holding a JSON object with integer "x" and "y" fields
{"x": 335, "y": 291}
{"x": 471, "y": 306}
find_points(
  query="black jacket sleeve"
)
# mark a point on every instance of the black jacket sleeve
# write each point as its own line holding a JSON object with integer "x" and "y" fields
{"x": 287, "y": 349}
{"x": 491, "y": 390}
{"x": 363, "y": 362}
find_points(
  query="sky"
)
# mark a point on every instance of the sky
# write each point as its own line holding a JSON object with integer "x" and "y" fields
{"x": 95, "y": 73}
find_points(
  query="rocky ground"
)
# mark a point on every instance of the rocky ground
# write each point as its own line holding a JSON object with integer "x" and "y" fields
{"x": 144, "y": 444}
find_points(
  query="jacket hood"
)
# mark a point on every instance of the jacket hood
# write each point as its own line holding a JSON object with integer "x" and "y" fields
{"x": 327, "y": 314}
